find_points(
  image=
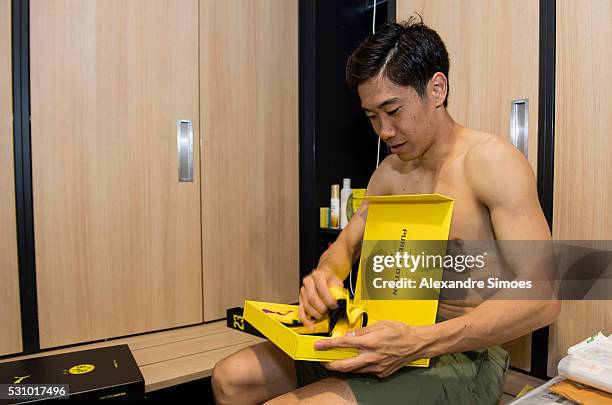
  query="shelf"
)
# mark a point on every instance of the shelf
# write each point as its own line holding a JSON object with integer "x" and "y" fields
{"x": 329, "y": 231}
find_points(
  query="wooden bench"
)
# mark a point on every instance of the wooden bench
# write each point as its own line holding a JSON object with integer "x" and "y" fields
{"x": 187, "y": 354}
{"x": 176, "y": 356}
{"x": 514, "y": 383}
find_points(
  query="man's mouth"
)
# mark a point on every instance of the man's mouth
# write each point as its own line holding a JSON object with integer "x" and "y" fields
{"x": 397, "y": 147}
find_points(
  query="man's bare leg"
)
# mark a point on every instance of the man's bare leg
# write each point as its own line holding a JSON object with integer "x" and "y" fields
{"x": 332, "y": 391}
{"x": 253, "y": 375}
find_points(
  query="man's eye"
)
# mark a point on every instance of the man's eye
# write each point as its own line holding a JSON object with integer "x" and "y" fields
{"x": 393, "y": 112}
{"x": 371, "y": 117}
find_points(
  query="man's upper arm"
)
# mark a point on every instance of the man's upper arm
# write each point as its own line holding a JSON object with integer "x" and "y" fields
{"x": 504, "y": 182}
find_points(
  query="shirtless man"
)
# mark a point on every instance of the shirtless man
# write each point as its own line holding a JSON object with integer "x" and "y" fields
{"x": 401, "y": 75}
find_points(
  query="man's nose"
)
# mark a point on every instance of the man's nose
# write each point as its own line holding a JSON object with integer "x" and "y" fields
{"x": 387, "y": 130}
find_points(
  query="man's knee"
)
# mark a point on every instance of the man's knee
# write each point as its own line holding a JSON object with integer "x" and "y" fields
{"x": 229, "y": 379}
{"x": 331, "y": 391}
{"x": 253, "y": 375}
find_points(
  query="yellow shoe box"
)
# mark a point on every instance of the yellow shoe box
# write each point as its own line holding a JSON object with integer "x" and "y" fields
{"x": 395, "y": 224}
{"x": 298, "y": 347}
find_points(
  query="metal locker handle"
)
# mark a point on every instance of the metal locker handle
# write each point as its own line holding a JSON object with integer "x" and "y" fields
{"x": 519, "y": 124}
{"x": 184, "y": 140}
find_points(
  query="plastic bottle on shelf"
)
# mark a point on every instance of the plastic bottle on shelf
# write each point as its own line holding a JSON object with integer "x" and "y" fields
{"x": 334, "y": 207}
{"x": 345, "y": 195}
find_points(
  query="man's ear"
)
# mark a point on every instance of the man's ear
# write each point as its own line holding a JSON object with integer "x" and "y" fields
{"x": 438, "y": 88}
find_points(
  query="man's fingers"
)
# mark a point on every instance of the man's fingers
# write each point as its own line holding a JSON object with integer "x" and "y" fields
{"x": 310, "y": 291}
{"x": 303, "y": 317}
{"x": 352, "y": 364}
{"x": 323, "y": 290}
{"x": 344, "y": 341}
{"x": 310, "y": 311}
{"x": 361, "y": 331}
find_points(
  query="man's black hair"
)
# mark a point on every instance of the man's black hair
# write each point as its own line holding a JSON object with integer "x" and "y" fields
{"x": 407, "y": 53}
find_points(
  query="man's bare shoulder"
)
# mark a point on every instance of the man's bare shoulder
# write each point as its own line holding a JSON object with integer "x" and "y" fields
{"x": 486, "y": 151}
{"x": 393, "y": 163}
{"x": 492, "y": 162}
{"x": 383, "y": 177}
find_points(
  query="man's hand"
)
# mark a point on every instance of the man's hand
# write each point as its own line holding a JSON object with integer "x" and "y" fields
{"x": 315, "y": 298}
{"x": 384, "y": 348}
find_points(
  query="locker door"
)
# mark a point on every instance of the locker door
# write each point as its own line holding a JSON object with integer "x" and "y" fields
{"x": 10, "y": 317}
{"x": 249, "y": 89}
{"x": 493, "y": 50}
{"x": 117, "y": 234}
{"x": 583, "y": 124}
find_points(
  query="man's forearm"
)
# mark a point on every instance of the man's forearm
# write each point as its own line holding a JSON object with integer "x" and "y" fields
{"x": 502, "y": 317}
{"x": 337, "y": 259}
{"x": 489, "y": 324}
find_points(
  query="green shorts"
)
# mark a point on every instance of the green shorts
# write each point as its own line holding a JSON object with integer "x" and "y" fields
{"x": 474, "y": 377}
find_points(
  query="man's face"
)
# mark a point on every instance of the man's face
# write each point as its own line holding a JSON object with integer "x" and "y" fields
{"x": 399, "y": 116}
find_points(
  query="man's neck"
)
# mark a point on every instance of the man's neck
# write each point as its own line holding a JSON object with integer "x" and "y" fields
{"x": 445, "y": 136}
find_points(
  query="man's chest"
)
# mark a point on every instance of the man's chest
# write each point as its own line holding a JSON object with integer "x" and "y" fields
{"x": 470, "y": 221}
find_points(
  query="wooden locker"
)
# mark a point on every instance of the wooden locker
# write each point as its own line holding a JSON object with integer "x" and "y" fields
{"x": 10, "y": 316}
{"x": 249, "y": 116}
{"x": 583, "y": 124}
{"x": 493, "y": 51}
{"x": 117, "y": 235}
